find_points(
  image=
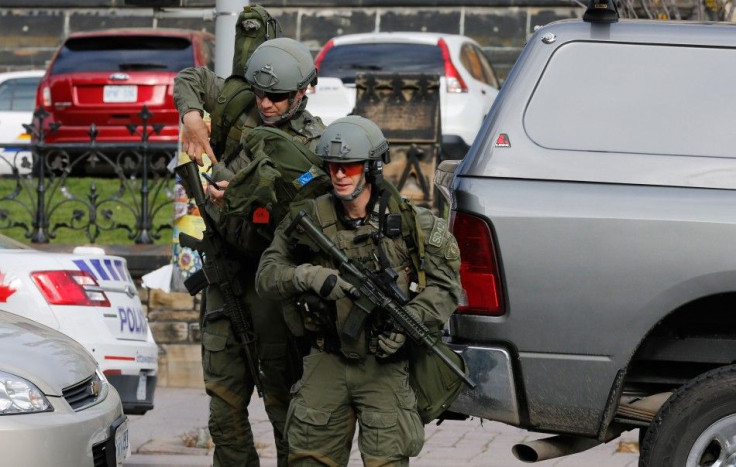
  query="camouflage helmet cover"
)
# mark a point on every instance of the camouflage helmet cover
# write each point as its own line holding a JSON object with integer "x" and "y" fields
{"x": 352, "y": 139}
{"x": 281, "y": 65}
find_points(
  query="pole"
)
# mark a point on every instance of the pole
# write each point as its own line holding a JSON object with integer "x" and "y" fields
{"x": 226, "y": 14}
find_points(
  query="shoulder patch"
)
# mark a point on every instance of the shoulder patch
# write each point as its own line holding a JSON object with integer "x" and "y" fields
{"x": 452, "y": 252}
{"x": 438, "y": 232}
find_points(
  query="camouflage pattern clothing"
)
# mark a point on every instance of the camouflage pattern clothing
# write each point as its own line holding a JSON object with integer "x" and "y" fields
{"x": 227, "y": 379}
{"x": 343, "y": 379}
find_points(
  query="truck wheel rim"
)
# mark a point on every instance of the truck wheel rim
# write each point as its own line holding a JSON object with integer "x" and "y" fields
{"x": 716, "y": 446}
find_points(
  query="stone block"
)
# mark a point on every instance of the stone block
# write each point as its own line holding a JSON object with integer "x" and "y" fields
{"x": 183, "y": 366}
{"x": 160, "y": 300}
{"x": 195, "y": 333}
{"x": 173, "y": 315}
{"x": 91, "y": 20}
{"x": 24, "y": 58}
{"x": 288, "y": 19}
{"x": 542, "y": 16}
{"x": 445, "y": 20}
{"x": 319, "y": 26}
{"x": 169, "y": 332}
{"x": 496, "y": 26}
{"x": 198, "y": 24}
{"x": 31, "y": 28}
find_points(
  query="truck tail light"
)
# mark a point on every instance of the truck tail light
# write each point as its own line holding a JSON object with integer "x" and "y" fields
{"x": 455, "y": 83}
{"x": 70, "y": 288}
{"x": 321, "y": 55}
{"x": 479, "y": 272}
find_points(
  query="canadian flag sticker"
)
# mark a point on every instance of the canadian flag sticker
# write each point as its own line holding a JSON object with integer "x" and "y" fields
{"x": 7, "y": 287}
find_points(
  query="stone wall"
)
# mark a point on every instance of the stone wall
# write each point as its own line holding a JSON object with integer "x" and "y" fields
{"x": 30, "y": 35}
{"x": 174, "y": 322}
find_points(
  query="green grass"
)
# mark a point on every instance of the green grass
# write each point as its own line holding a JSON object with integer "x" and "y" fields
{"x": 70, "y": 205}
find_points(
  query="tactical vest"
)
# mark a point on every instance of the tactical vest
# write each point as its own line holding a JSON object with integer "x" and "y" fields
{"x": 401, "y": 253}
{"x": 282, "y": 170}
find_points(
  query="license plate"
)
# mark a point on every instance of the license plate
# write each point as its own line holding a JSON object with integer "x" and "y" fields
{"x": 122, "y": 444}
{"x": 120, "y": 94}
{"x": 140, "y": 394}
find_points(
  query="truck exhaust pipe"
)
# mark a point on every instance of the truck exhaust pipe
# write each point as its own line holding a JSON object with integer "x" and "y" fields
{"x": 549, "y": 448}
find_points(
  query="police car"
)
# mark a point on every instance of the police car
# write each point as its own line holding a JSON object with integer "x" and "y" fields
{"x": 91, "y": 297}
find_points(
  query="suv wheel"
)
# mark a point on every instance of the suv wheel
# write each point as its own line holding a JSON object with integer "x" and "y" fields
{"x": 697, "y": 425}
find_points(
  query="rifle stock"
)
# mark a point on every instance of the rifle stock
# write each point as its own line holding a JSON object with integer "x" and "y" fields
{"x": 219, "y": 269}
{"x": 374, "y": 295}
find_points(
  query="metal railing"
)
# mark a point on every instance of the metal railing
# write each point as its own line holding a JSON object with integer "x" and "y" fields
{"x": 35, "y": 179}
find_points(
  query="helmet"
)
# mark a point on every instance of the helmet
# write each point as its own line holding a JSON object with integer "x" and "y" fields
{"x": 355, "y": 139}
{"x": 352, "y": 139}
{"x": 281, "y": 65}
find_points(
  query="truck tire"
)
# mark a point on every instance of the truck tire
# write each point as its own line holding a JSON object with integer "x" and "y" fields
{"x": 696, "y": 426}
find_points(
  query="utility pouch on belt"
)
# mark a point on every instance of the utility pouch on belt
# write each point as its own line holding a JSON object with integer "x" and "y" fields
{"x": 435, "y": 384}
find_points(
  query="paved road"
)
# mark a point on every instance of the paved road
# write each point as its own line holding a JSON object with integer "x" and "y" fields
{"x": 157, "y": 439}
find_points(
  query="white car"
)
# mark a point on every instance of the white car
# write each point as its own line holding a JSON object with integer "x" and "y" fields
{"x": 56, "y": 407}
{"x": 90, "y": 297}
{"x": 468, "y": 83}
{"x": 17, "y": 101}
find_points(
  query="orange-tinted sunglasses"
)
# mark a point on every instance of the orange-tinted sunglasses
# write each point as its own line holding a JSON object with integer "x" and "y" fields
{"x": 348, "y": 168}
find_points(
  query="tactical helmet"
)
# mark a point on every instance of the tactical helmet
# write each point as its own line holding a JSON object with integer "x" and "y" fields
{"x": 352, "y": 139}
{"x": 355, "y": 139}
{"x": 281, "y": 65}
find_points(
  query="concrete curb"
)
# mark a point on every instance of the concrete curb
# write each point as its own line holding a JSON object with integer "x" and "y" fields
{"x": 166, "y": 460}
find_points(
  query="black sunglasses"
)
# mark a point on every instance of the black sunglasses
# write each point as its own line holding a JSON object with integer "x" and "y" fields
{"x": 272, "y": 96}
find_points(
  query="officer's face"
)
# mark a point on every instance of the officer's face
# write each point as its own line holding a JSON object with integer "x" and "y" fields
{"x": 273, "y": 105}
{"x": 346, "y": 177}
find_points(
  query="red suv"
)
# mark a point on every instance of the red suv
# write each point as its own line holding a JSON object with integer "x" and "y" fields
{"x": 106, "y": 77}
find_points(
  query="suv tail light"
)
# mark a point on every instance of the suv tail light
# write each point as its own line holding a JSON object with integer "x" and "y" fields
{"x": 482, "y": 293}
{"x": 46, "y": 96}
{"x": 70, "y": 288}
{"x": 321, "y": 55}
{"x": 455, "y": 83}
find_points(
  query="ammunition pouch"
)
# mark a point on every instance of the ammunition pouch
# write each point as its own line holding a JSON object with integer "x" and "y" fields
{"x": 196, "y": 282}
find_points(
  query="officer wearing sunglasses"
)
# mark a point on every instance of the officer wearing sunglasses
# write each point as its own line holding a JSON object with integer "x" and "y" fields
{"x": 278, "y": 74}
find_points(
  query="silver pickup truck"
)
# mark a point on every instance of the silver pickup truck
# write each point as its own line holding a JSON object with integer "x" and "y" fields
{"x": 596, "y": 217}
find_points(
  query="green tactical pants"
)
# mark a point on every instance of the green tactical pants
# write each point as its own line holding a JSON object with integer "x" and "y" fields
{"x": 333, "y": 393}
{"x": 229, "y": 382}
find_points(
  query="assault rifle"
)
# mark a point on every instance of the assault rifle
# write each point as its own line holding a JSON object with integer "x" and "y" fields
{"x": 375, "y": 291}
{"x": 219, "y": 268}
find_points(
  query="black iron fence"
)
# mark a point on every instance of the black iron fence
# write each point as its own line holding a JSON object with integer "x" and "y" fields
{"x": 39, "y": 195}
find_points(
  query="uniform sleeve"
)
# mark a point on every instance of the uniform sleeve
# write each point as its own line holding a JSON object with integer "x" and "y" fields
{"x": 275, "y": 275}
{"x": 196, "y": 88}
{"x": 439, "y": 299}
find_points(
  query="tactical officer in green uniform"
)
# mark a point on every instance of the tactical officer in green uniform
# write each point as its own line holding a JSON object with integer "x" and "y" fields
{"x": 278, "y": 72}
{"x": 365, "y": 379}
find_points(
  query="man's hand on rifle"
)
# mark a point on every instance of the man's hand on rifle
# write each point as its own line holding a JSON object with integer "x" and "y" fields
{"x": 195, "y": 138}
{"x": 326, "y": 282}
{"x": 390, "y": 342}
{"x": 217, "y": 195}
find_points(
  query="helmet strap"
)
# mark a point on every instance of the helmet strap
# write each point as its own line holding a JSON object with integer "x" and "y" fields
{"x": 358, "y": 190}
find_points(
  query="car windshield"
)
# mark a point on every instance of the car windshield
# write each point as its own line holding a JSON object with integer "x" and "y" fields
{"x": 18, "y": 94}
{"x": 344, "y": 61}
{"x": 123, "y": 53}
